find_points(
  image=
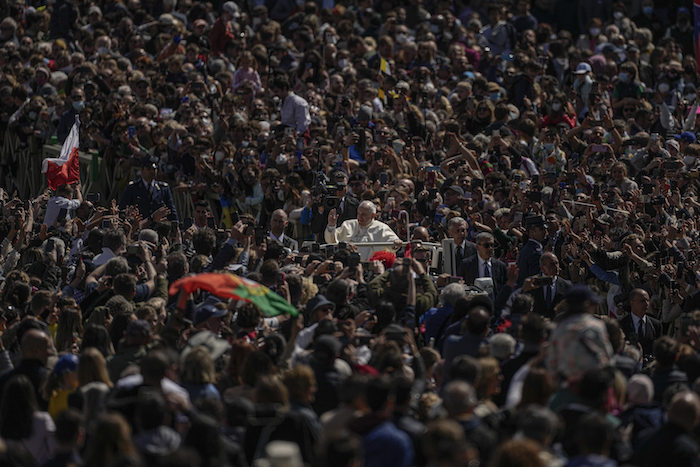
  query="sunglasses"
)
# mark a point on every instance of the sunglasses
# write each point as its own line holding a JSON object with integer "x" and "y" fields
{"x": 487, "y": 245}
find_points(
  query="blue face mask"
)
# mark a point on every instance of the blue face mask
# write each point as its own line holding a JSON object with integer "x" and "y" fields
{"x": 549, "y": 147}
{"x": 78, "y": 105}
{"x": 623, "y": 77}
{"x": 648, "y": 10}
{"x": 494, "y": 96}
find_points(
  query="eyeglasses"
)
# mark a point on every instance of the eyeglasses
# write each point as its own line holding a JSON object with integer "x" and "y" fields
{"x": 487, "y": 245}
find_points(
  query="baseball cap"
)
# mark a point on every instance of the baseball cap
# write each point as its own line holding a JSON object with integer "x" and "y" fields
{"x": 207, "y": 311}
{"x": 457, "y": 189}
{"x": 138, "y": 328}
{"x": 582, "y": 68}
{"x": 65, "y": 364}
{"x": 318, "y": 301}
{"x": 232, "y": 9}
{"x": 686, "y": 136}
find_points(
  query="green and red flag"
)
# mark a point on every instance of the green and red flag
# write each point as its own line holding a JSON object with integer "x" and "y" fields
{"x": 227, "y": 285}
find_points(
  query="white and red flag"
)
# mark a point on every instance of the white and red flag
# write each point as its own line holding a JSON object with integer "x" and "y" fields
{"x": 65, "y": 169}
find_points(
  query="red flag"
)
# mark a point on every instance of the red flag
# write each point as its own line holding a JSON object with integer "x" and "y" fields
{"x": 65, "y": 169}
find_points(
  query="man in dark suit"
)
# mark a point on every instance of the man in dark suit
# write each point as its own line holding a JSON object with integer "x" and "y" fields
{"x": 278, "y": 224}
{"x": 148, "y": 193}
{"x": 347, "y": 205}
{"x": 640, "y": 328}
{"x": 457, "y": 231}
{"x": 483, "y": 264}
{"x": 529, "y": 258}
{"x": 548, "y": 296}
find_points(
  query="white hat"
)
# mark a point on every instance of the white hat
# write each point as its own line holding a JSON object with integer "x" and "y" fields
{"x": 582, "y": 68}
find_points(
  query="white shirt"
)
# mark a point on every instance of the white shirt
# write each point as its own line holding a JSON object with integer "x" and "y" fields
{"x": 103, "y": 257}
{"x": 279, "y": 239}
{"x": 635, "y": 323}
{"x": 482, "y": 271}
{"x": 54, "y": 207}
{"x": 351, "y": 231}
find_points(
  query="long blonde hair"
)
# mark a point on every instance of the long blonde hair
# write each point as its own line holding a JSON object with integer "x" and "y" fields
{"x": 92, "y": 367}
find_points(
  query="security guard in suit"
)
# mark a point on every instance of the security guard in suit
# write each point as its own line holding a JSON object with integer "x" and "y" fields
{"x": 529, "y": 258}
{"x": 148, "y": 193}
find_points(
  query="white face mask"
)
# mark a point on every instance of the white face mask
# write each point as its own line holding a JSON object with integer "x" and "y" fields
{"x": 664, "y": 87}
{"x": 401, "y": 38}
{"x": 256, "y": 22}
{"x": 556, "y": 106}
{"x": 618, "y": 15}
{"x": 102, "y": 50}
{"x": 594, "y": 31}
{"x": 343, "y": 63}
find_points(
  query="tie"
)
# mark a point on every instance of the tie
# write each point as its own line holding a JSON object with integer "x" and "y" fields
{"x": 640, "y": 328}
{"x": 548, "y": 296}
{"x": 458, "y": 255}
{"x": 487, "y": 273}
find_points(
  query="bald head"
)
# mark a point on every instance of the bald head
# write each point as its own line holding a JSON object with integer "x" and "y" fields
{"x": 421, "y": 233}
{"x": 36, "y": 345}
{"x": 684, "y": 410}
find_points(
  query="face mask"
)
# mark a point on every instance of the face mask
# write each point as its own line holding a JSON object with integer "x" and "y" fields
{"x": 470, "y": 42}
{"x": 623, "y": 77}
{"x": 513, "y": 115}
{"x": 434, "y": 28}
{"x": 664, "y": 87}
{"x": 618, "y": 15}
{"x": 594, "y": 31}
{"x": 401, "y": 38}
{"x": 256, "y": 22}
{"x": 102, "y": 50}
{"x": 343, "y": 63}
{"x": 494, "y": 96}
{"x": 32, "y": 115}
{"x": 330, "y": 38}
{"x": 78, "y": 105}
{"x": 245, "y": 144}
{"x": 219, "y": 156}
{"x": 280, "y": 194}
{"x": 556, "y": 106}
{"x": 549, "y": 147}
{"x": 647, "y": 10}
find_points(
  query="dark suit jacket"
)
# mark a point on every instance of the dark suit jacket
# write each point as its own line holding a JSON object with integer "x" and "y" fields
{"x": 289, "y": 242}
{"x": 652, "y": 331}
{"x": 148, "y": 202}
{"x": 319, "y": 221}
{"x": 469, "y": 270}
{"x": 529, "y": 261}
{"x": 560, "y": 290}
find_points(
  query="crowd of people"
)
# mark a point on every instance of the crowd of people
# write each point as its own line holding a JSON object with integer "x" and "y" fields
{"x": 548, "y": 147}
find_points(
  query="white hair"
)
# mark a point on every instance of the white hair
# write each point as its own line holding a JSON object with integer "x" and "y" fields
{"x": 451, "y": 293}
{"x": 501, "y": 346}
{"x": 368, "y": 205}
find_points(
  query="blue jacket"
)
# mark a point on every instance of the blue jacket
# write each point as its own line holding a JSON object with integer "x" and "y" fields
{"x": 387, "y": 445}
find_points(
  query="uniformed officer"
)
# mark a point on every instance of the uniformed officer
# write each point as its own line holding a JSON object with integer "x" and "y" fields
{"x": 529, "y": 258}
{"x": 148, "y": 193}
